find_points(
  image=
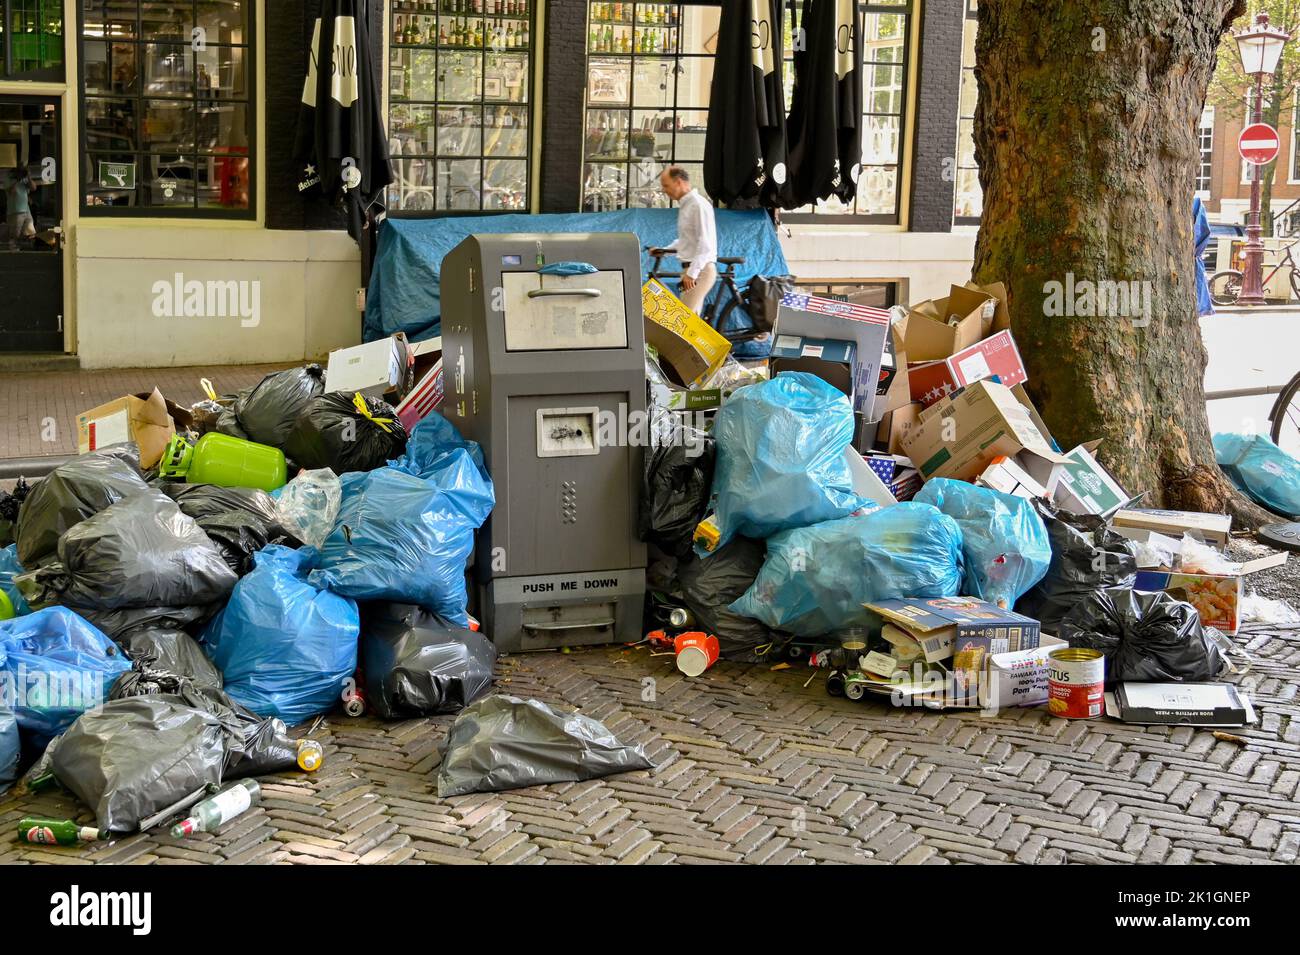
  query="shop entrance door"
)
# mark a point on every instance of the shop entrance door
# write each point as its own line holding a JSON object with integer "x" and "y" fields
{"x": 31, "y": 228}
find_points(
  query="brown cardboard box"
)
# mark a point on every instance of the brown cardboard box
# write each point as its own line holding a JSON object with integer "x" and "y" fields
{"x": 927, "y": 335}
{"x": 1138, "y": 523}
{"x": 896, "y": 426}
{"x": 144, "y": 419}
{"x": 960, "y": 436}
{"x": 691, "y": 348}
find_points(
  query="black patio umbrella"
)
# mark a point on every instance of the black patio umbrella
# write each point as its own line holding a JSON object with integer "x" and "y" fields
{"x": 825, "y": 125}
{"x": 744, "y": 149}
{"x": 342, "y": 144}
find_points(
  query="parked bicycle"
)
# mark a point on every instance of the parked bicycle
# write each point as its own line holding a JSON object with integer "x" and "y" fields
{"x": 727, "y": 299}
{"x": 1225, "y": 286}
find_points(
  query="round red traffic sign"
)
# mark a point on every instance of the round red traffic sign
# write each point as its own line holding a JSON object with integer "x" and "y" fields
{"x": 1258, "y": 143}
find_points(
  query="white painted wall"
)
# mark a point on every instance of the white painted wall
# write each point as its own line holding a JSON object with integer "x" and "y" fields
{"x": 927, "y": 263}
{"x": 307, "y": 293}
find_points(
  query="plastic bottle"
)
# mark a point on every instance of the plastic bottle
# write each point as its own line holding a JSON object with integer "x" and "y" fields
{"x": 60, "y": 832}
{"x": 224, "y": 461}
{"x": 216, "y": 811}
{"x": 310, "y": 755}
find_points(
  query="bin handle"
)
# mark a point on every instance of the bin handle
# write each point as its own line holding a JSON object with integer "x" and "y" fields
{"x": 583, "y": 292}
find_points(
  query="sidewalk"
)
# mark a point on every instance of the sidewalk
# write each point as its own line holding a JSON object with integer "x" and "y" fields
{"x": 32, "y": 401}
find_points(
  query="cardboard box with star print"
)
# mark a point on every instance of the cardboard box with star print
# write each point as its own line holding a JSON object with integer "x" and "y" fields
{"x": 995, "y": 357}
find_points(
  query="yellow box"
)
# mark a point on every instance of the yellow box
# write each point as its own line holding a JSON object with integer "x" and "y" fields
{"x": 691, "y": 347}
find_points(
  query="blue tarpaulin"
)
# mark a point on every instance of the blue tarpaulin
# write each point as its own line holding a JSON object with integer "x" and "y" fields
{"x": 404, "y": 285}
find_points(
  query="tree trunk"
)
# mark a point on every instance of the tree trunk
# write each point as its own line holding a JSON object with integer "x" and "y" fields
{"x": 1086, "y": 136}
{"x": 1274, "y": 100}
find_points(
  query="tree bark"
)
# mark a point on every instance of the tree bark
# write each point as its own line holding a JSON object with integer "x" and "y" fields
{"x": 1086, "y": 136}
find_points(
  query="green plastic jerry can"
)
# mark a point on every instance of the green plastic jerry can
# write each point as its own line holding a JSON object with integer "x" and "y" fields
{"x": 225, "y": 461}
{"x": 6, "y": 606}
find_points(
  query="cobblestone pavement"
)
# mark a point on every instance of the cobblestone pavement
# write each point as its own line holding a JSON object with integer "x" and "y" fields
{"x": 753, "y": 766}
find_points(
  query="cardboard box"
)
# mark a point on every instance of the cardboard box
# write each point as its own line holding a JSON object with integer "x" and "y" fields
{"x": 1180, "y": 704}
{"x": 424, "y": 356}
{"x": 1213, "y": 529}
{"x": 939, "y": 328}
{"x": 1216, "y": 597}
{"x": 1085, "y": 487}
{"x": 960, "y": 436}
{"x": 867, "y": 482}
{"x": 994, "y": 357}
{"x": 145, "y": 419}
{"x": 1017, "y": 677}
{"x": 892, "y": 432}
{"x": 1005, "y": 475}
{"x": 423, "y": 398}
{"x": 940, "y": 625}
{"x": 691, "y": 348}
{"x": 376, "y": 369}
{"x": 812, "y": 316}
{"x": 830, "y": 360}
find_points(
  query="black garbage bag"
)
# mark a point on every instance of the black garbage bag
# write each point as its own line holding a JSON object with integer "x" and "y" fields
{"x": 333, "y": 432}
{"x": 10, "y": 503}
{"x": 122, "y": 620}
{"x": 675, "y": 495}
{"x": 418, "y": 664}
{"x": 133, "y": 757}
{"x": 1087, "y": 556}
{"x": 1146, "y": 637}
{"x": 227, "y": 423}
{"x": 142, "y": 552}
{"x": 71, "y": 493}
{"x": 762, "y": 299}
{"x": 708, "y": 587}
{"x": 239, "y": 520}
{"x": 253, "y": 746}
{"x": 170, "y": 649}
{"x": 267, "y": 412}
{"x": 503, "y": 742}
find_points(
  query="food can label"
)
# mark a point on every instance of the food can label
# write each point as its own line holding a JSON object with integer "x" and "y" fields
{"x": 1075, "y": 685}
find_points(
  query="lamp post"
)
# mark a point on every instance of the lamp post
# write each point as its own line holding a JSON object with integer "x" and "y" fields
{"x": 1260, "y": 48}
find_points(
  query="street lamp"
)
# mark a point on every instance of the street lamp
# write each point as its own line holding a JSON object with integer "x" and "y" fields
{"x": 1260, "y": 48}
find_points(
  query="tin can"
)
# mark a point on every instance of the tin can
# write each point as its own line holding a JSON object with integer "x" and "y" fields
{"x": 696, "y": 652}
{"x": 1076, "y": 680}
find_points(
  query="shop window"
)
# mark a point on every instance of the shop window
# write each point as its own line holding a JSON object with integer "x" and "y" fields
{"x": 968, "y": 198}
{"x": 31, "y": 40}
{"x": 167, "y": 125}
{"x": 459, "y": 121}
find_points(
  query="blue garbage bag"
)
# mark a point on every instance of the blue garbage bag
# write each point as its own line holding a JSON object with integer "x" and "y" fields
{"x": 1004, "y": 541}
{"x": 10, "y": 747}
{"x": 816, "y": 579}
{"x": 401, "y": 537}
{"x": 436, "y": 452}
{"x": 9, "y": 569}
{"x": 781, "y": 461}
{"x": 1201, "y": 235}
{"x": 1262, "y": 470}
{"x": 285, "y": 647}
{"x": 55, "y": 665}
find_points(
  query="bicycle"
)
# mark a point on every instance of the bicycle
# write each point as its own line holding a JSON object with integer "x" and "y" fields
{"x": 1225, "y": 286}
{"x": 715, "y": 312}
{"x": 1285, "y": 418}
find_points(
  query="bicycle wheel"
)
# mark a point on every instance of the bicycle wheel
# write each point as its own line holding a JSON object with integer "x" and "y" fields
{"x": 1285, "y": 417}
{"x": 1225, "y": 287}
{"x": 1295, "y": 283}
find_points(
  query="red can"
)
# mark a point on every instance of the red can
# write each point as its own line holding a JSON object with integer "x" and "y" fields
{"x": 1076, "y": 681}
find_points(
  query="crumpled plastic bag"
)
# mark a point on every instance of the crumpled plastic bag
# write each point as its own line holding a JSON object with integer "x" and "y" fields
{"x": 142, "y": 552}
{"x": 1145, "y": 637}
{"x": 70, "y": 494}
{"x": 400, "y": 537}
{"x": 172, "y": 650}
{"x": 9, "y": 569}
{"x": 781, "y": 461}
{"x": 345, "y": 431}
{"x": 437, "y": 453}
{"x": 1004, "y": 541}
{"x": 1087, "y": 556}
{"x": 709, "y": 587}
{"x": 239, "y": 520}
{"x": 1256, "y": 608}
{"x": 284, "y": 646}
{"x": 675, "y": 493}
{"x": 309, "y": 504}
{"x": 59, "y": 666}
{"x": 503, "y": 742}
{"x": 816, "y": 579}
{"x": 266, "y": 413}
{"x": 1262, "y": 470}
{"x": 417, "y": 664}
{"x": 10, "y": 747}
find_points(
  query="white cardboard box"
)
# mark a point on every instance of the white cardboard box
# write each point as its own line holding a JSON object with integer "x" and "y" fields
{"x": 376, "y": 369}
{"x": 1018, "y": 678}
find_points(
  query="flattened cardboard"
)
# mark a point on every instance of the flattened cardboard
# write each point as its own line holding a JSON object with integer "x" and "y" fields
{"x": 691, "y": 348}
{"x": 1213, "y": 529}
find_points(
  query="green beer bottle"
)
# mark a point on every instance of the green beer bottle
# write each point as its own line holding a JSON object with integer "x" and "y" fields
{"x": 62, "y": 832}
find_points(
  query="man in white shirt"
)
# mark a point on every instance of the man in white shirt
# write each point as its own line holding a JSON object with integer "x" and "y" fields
{"x": 696, "y": 244}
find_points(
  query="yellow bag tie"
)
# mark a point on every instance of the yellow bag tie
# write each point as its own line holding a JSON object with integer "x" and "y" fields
{"x": 362, "y": 407}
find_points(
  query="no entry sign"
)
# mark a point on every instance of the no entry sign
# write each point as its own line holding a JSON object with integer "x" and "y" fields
{"x": 1258, "y": 143}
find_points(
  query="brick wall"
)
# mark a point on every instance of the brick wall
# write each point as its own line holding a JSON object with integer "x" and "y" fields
{"x": 564, "y": 88}
{"x": 938, "y": 87}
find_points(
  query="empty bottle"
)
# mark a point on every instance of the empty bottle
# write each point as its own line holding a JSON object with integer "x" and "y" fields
{"x": 60, "y": 832}
{"x": 310, "y": 755}
{"x": 215, "y": 811}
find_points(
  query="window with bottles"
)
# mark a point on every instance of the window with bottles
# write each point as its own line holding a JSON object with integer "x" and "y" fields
{"x": 968, "y": 198}
{"x": 167, "y": 107}
{"x": 649, "y": 69}
{"x": 458, "y": 104}
{"x": 31, "y": 40}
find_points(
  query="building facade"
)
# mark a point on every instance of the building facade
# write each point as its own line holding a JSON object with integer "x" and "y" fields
{"x": 158, "y": 140}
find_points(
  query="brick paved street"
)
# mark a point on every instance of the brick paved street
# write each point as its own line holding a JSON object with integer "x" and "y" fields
{"x": 753, "y": 767}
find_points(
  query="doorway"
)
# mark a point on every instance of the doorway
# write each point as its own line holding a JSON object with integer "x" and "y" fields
{"x": 31, "y": 227}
